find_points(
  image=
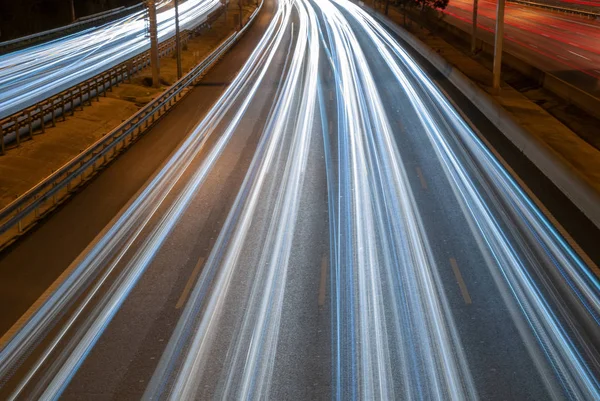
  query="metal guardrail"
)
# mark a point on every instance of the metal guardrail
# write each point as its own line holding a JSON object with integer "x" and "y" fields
{"x": 21, "y": 125}
{"x": 551, "y": 7}
{"x": 23, "y": 213}
{"x": 36, "y": 38}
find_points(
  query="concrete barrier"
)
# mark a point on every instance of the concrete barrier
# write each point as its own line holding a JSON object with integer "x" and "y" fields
{"x": 551, "y": 164}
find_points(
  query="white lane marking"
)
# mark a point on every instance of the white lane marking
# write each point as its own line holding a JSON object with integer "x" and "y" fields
{"x": 323, "y": 282}
{"x": 188, "y": 285}
{"x": 577, "y": 54}
{"x": 461, "y": 282}
{"x": 421, "y": 178}
{"x": 574, "y": 22}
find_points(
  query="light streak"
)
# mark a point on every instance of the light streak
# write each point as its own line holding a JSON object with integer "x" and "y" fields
{"x": 394, "y": 332}
{"x": 33, "y": 74}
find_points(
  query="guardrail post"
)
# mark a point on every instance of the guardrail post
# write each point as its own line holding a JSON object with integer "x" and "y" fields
{"x": 72, "y": 100}
{"x": 17, "y": 131}
{"x": 1, "y": 138}
{"x": 19, "y": 224}
{"x": 130, "y": 70}
{"x": 80, "y": 99}
{"x": 36, "y": 211}
{"x": 82, "y": 174}
{"x": 30, "y": 124}
{"x": 63, "y": 106}
{"x": 42, "y": 115}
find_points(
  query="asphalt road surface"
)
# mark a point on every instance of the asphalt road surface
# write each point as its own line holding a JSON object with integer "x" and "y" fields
{"x": 568, "y": 46}
{"x": 330, "y": 228}
{"x": 587, "y": 5}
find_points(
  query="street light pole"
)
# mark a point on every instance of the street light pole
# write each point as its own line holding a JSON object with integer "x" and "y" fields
{"x": 177, "y": 40}
{"x": 474, "y": 30}
{"x": 498, "y": 42}
{"x": 153, "y": 43}
{"x": 241, "y": 14}
{"x": 72, "y": 11}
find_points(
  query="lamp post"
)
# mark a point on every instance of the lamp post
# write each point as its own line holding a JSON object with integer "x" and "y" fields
{"x": 72, "y": 10}
{"x": 474, "y": 30}
{"x": 498, "y": 42}
{"x": 153, "y": 43}
{"x": 177, "y": 40}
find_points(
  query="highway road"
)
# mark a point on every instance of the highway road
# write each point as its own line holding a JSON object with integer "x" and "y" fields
{"x": 567, "y": 46}
{"x": 33, "y": 74}
{"x": 586, "y": 5}
{"x": 332, "y": 227}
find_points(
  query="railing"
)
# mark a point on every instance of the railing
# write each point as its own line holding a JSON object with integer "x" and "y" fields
{"x": 21, "y": 125}
{"x": 551, "y": 7}
{"x": 23, "y": 213}
{"x": 22, "y": 42}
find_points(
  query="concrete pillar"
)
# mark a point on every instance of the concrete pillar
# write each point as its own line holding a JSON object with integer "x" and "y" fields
{"x": 498, "y": 42}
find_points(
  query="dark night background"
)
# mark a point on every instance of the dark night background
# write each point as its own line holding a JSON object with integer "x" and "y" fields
{"x": 24, "y": 17}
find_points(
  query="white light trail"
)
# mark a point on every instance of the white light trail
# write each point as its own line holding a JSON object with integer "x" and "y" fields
{"x": 568, "y": 358}
{"x": 30, "y": 75}
{"x": 395, "y": 333}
